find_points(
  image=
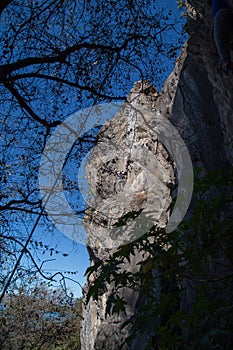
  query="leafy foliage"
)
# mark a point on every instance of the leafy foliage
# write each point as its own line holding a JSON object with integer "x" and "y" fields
{"x": 40, "y": 318}
{"x": 56, "y": 57}
{"x": 185, "y": 278}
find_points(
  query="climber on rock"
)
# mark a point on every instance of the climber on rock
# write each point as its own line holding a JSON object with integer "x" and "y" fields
{"x": 223, "y": 33}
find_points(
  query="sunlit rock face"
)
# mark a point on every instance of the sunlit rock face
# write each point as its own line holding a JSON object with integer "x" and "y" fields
{"x": 129, "y": 170}
{"x": 198, "y": 101}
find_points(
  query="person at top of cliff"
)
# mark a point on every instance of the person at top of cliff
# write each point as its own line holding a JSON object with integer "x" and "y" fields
{"x": 223, "y": 33}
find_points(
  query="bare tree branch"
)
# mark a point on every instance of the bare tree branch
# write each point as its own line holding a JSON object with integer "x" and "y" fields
{"x": 27, "y": 108}
{"x": 63, "y": 81}
{"x": 19, "y": 201}
{"x": 62, "y": 55}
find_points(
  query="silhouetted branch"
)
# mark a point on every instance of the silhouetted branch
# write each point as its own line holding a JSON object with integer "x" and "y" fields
{"x": 24, "y": 105}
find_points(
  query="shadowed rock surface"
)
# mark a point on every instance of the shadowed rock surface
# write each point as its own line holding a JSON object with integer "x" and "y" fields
{"x": 198, "y": 101}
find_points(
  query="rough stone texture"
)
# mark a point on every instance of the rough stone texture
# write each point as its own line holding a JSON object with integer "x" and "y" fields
{"x": 206, "y": 94}
{"x": 129, "y": 169}
{"x": 198, "y": 101}
{"x": 124, "y": 164}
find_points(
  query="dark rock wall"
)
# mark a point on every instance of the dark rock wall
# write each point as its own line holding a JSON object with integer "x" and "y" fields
{"x": 198, "y": 100}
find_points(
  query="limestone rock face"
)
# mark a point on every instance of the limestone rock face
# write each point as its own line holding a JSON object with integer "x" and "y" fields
{"x": 198, "y": 101}
{"x": 129, "y": 170}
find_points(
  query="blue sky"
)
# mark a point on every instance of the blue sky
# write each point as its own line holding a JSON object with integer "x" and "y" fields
{"x": 77, "y": 259}
{"x": 63, "y": 254}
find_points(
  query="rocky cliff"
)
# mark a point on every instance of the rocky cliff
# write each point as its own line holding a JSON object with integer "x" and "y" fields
{"x": 197, "y": 100}
{"x": 130, "y": 170}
